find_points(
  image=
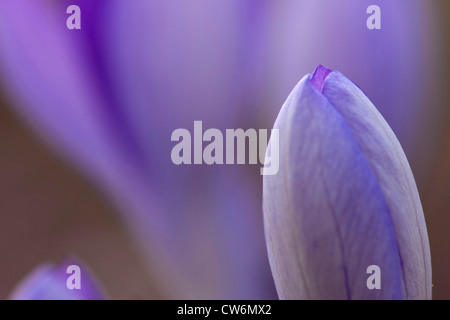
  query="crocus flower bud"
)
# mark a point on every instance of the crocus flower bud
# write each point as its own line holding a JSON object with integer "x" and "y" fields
{"x": 67, "y": 281}
{"x": 344, "y": 200}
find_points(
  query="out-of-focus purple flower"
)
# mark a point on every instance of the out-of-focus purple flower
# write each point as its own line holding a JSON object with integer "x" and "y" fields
{"x": 49, "y": 282}
{"x": 395, "y": 65}
{"x": 344, "y": 199}
{"x": 200, "y": 227}
{"x": 109, "y": 95}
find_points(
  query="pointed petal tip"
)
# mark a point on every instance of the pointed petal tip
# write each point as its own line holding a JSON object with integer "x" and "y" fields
{"x": 319, "y": 76}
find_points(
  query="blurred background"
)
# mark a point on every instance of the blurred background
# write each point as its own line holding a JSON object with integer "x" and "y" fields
{"x": 230, "y": 65}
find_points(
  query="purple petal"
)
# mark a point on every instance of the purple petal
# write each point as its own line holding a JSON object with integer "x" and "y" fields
{"x": 329, "y": 214}
{"x": 319, "y": 77}
{"x": 49, "y": 282}
{"x": 388, "y": 162}
{"x": 49, "y": 75}
{"x": 178, "y": 62}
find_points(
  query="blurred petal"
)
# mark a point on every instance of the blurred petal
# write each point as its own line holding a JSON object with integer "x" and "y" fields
{"x": 109, "y": 102}
{"x": 189, "y": 69}
{"x": 335, "y": 206}
{"x": 50, "y": 76}
{"x": 48, "y": 282}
